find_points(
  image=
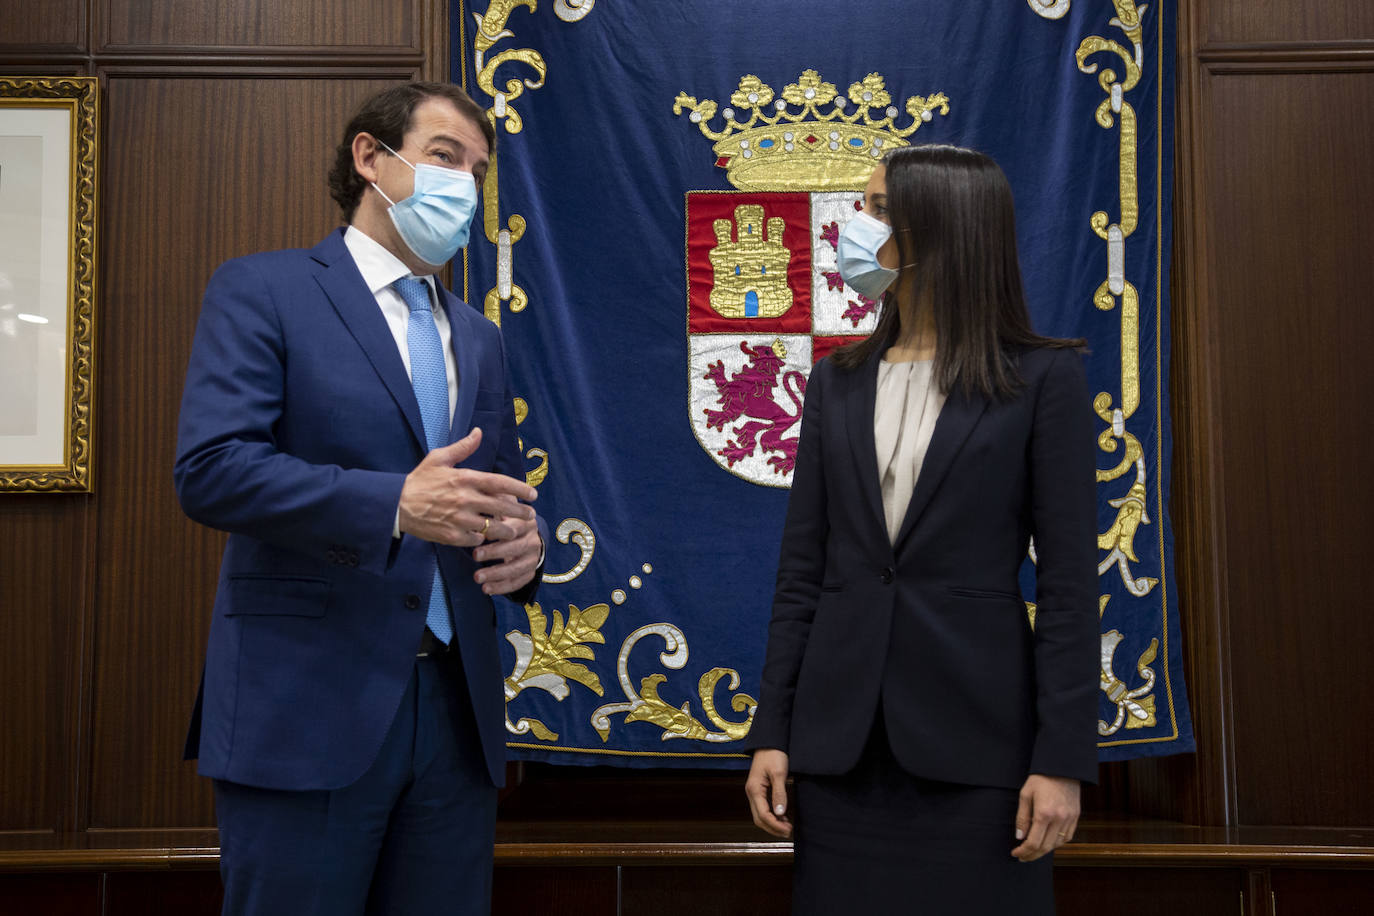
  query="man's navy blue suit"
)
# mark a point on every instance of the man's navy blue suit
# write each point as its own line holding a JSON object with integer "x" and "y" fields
{"x": 298, "y": 427}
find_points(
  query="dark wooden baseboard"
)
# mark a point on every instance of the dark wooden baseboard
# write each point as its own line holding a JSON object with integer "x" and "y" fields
{"x": 684, "y": 868}
{"x": 707, "y": 843}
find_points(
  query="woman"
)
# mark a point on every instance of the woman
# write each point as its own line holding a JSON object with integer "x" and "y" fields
{"x": 937, "y": 740}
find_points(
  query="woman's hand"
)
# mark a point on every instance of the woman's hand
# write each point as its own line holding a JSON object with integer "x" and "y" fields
{"x": 767, "y": 791}
{"x": 1046, "y": 818}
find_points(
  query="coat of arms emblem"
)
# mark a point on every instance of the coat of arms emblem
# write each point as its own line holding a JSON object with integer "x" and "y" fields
{"x": 765, "y": 299}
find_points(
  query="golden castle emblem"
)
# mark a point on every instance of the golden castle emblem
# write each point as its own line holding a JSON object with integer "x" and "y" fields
{"x": 751, "y": 270}
{"x": 795, "y": 142}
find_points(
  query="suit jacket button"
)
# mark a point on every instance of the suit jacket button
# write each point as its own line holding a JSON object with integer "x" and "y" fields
{"x": 352, "y": 559}
{"x": 888, "y": 575}
{"x": 413, "y": 602}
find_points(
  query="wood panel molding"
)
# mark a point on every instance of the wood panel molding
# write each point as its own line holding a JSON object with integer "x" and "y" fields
{"x": 26, "y": 62}
{"x": 198, "y": 57}
{"x": 589, "y": 844}
{"x": 142, "y": 25}
{"x": 1285, "y": 51}
{"x": 1288, "y": 57}
{"x": 246, "y": 67}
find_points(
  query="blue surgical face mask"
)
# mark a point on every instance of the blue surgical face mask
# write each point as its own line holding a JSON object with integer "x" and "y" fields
{"x": 857, "y": 255}
{"x": 433, "y": 221}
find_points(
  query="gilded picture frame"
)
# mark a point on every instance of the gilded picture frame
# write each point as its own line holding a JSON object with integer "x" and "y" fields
{"x": 48, "y": 201}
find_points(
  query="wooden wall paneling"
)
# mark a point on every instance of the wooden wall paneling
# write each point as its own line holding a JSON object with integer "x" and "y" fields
{"x": 51, "y": 895}
{"x": 668, "y": 890}
{"x": 1259, "y": 894}
{"x": 50, "y": 26}
{"x": 1150, "y": 891}
{"x": 553, "y": 890}
{"x": 1321, "y": 892}
{"x": 573, "y": 793}
{"x": 1110, "y": 797}
{"x": 200, "y": 170}
{"x": 356, "y": 25}
{"x": 1284, "y": 22}
{"x": 1288, "y": 192}
{"x": 186, "y": 893}
{"x": 434, "y": 36}
{"x": 43, "y": 629}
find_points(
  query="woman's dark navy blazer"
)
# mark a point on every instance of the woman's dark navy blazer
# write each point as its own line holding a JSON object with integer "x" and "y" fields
{"x": 934, "y": 624}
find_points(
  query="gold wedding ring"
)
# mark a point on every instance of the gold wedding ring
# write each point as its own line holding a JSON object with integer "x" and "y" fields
{"x": 487, "y": 524}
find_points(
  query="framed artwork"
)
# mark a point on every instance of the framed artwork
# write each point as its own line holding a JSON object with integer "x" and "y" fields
{"x": 48, "y": 130}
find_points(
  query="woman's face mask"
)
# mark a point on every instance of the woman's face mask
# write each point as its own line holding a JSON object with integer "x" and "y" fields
{"x": 434, "y": 220}
{"x": 857, "y": 255}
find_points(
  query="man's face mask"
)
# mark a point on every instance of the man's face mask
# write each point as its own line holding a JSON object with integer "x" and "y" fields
{"x": 433, "y": 221}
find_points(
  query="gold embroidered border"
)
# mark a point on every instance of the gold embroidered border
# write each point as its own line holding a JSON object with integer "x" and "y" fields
{"x": 1159, "y": 413}
{"x": 607, "y": 752}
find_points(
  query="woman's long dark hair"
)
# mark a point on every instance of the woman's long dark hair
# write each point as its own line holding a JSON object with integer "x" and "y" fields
{"x": 955, "y": 224}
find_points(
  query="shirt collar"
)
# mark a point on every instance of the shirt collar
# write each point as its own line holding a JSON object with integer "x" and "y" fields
{"x": 379, "y": 267}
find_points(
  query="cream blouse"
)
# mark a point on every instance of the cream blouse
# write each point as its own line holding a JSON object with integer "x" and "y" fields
{"x": 904, "y": 414}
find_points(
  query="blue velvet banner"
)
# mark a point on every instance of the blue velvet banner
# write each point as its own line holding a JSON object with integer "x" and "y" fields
{"x": 657, "y": 243}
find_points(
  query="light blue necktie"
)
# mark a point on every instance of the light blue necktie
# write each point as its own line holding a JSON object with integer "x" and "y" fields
{"x": 430, "y": 380}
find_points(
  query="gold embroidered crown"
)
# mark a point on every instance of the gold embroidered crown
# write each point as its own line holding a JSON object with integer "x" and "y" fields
{"x": 790, "y": 144}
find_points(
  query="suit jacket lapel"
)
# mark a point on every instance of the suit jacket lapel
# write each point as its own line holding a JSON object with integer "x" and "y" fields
{"x": 357, "y": 307}
{"x": 859, "y": 403}
{"x": 957, "y": 419}
{"x": 465, "y": 356}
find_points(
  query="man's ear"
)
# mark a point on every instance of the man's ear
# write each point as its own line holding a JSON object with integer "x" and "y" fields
{"x": 366, "y": 151}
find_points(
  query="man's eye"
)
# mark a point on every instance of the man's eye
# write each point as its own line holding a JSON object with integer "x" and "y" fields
{"x": 442, "y": 156}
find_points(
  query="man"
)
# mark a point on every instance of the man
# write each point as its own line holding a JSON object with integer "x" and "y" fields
{"x": 351, "y": 711}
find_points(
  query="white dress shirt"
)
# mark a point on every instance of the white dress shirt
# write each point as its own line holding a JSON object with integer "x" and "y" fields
{"x": 380, "y": 268}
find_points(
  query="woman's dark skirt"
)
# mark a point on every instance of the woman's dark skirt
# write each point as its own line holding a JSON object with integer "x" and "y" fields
{"x": 879, "y": 840}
